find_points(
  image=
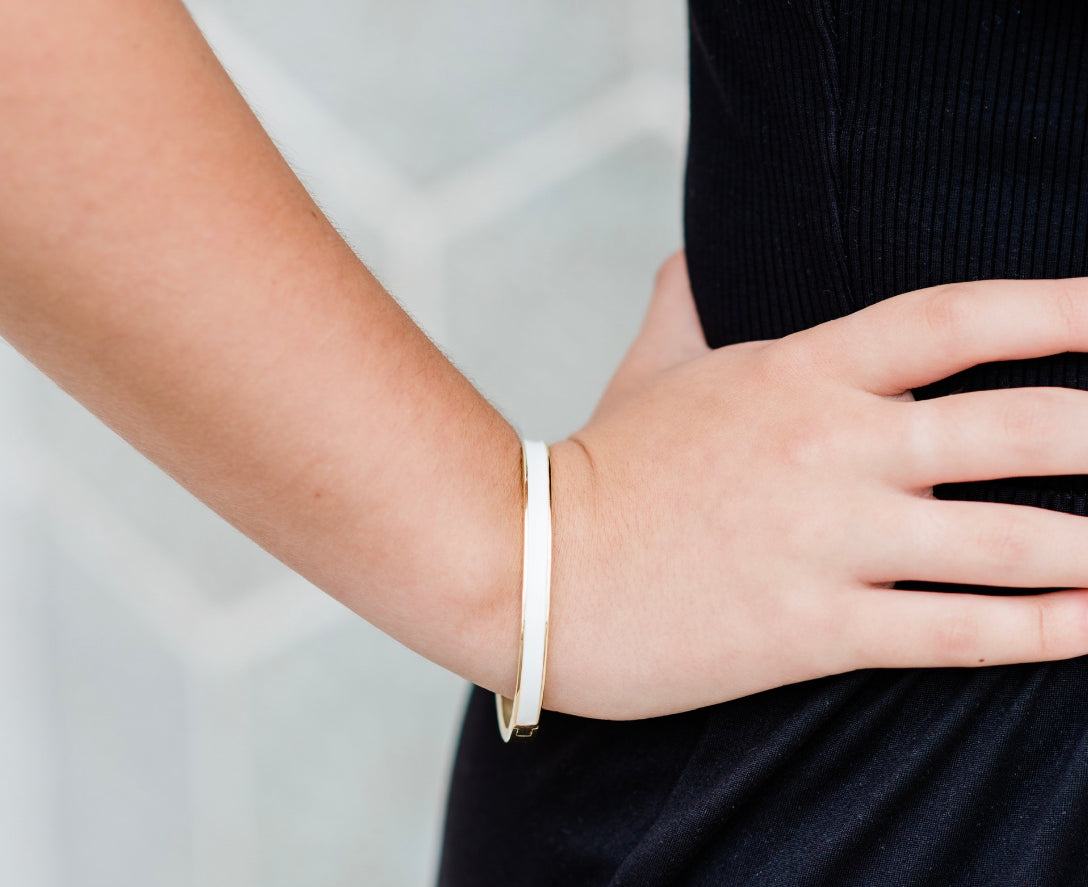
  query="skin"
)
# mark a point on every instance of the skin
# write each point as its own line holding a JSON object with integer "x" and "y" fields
{"x": 728, "y": 521}
{"x": 757, "y": 502}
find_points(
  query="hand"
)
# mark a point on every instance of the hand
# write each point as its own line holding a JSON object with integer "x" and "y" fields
{"x": 732, "y": 520}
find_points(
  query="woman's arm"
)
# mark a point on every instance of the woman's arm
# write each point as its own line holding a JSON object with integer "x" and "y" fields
{"x": 728, "y": 521}
{"x": 160, "y": 261}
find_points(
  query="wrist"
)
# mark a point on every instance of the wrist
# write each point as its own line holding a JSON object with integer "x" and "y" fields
{"x": 494, "y": 645}
{"x": 572, "y": 498}
{"x": 572, "y": 503}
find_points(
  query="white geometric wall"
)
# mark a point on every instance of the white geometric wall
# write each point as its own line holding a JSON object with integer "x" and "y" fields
{"x": 176, "y": 707}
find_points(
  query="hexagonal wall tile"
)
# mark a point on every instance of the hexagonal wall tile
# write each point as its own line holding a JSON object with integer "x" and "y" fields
{"x": 436, "y": 83}
{"x": 352, "y": 739}
{"x": 543, "y": 303}
{"x": 120, "y": 738}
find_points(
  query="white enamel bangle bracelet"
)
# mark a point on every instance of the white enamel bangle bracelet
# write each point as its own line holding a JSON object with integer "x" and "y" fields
{"x": 519, "y": 717}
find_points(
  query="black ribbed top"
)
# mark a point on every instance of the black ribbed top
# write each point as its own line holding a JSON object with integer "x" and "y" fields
{"x": 844, "y": 152}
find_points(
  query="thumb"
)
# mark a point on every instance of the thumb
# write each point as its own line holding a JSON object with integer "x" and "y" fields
{"x": 671, "y": 334}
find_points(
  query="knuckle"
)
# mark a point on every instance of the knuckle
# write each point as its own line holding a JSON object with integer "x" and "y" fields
{"x": 799, "y": 447}
{"x": 1060, "y": 625}
{"x": 920, "y": 437}
{"x": 803, "y": 359}
{"x": 1069, "y": 308}
{"x": 810, "y": 445}
{"x": 1045, "y": 623}
{"x": 1030, "y": 420}
{"x": 1006, "y": 542}
{"x": 812, "y": 425}
{"x": 957, "y": 639}
{"x": 950, "y": 314}
{"x": 792, "y": 356}
{"x": 811, "y": 617}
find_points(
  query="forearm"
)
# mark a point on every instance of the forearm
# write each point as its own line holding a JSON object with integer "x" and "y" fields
{"x": 159, "y": 260}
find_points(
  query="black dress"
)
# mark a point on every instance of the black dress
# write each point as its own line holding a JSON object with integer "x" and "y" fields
{"x": 841, "y": 152}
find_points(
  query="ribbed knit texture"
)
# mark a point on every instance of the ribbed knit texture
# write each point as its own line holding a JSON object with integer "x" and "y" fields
{"x": 842, "y": 151}
{"x": 848, "y": 151}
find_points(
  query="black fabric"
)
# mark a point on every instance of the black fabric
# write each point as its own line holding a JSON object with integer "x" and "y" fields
{"x": 841, "y": 152}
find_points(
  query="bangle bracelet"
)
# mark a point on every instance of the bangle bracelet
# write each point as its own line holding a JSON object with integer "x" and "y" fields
{"x": 519, "y": 717}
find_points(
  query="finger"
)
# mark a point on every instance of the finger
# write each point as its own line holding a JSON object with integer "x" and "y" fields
{"x": 925, "y": 335}
{"x": 986, "y": 543}
{"x": 982, "y": 435}
{"x": 896, "y": 628}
